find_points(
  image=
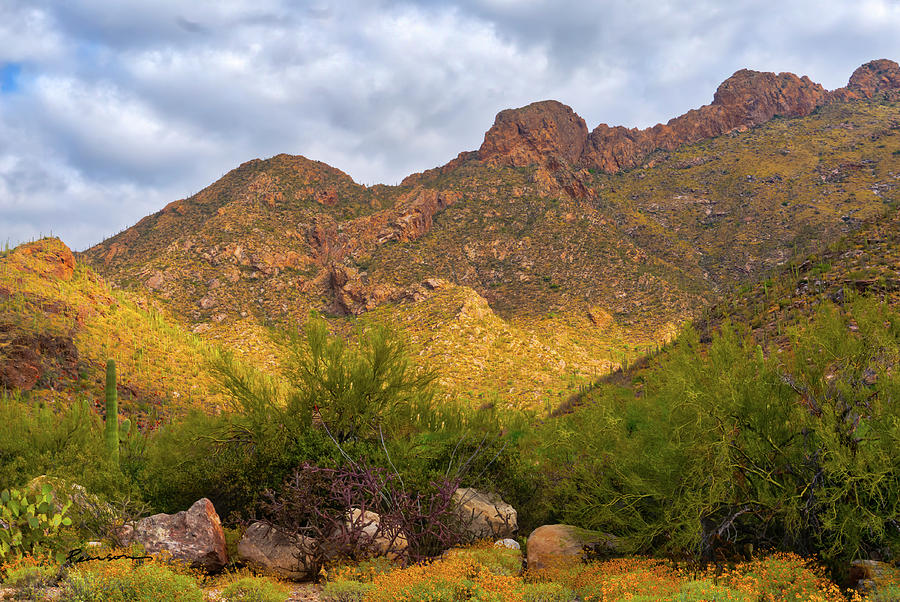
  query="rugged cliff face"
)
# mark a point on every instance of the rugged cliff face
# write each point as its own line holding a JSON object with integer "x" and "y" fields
{"x": 542, "y": 131}
{"x": 551, "y": 133}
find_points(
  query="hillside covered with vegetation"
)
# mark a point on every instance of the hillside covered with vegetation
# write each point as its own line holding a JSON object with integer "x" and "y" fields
{"x": 687, "y": 364}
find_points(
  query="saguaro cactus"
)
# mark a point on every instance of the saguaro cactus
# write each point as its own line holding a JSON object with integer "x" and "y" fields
{"x": 112, "y": 411}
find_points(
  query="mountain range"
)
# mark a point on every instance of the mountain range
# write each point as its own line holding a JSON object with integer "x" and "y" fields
{"x": 546, "y": 258}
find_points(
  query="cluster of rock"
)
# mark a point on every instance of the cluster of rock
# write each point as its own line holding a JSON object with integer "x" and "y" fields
{"x": 196, "y": 537}
{"x": 265, "y": 548}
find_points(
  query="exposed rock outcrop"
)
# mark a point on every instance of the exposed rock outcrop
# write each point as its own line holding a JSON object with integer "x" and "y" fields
{"x": 550, "y": 133}
{"x": 28, "y": 358}
{"x": 533, "y": 133}
{"x": 870, "y": 79}
{"x": 745, "y": 99}
{"x": 194, "y": 536}
{"x": 416, "y": 214}
{"x": 353, "y": 294}
{"x": 48, "y": 258}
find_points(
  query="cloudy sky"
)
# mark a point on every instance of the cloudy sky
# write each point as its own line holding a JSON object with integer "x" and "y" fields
{"x": 109, "y": 109}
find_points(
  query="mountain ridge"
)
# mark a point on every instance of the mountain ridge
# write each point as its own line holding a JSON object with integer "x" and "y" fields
{"x": 546, "y": 244}
{"x": 746, "y": 99}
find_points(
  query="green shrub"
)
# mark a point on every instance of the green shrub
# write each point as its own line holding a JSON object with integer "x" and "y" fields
{"x": 726, "y": 447}
{"x": 255, "y": 589}
{"x": 887, "y": 593}
{"x": 547, "y": 592}
{"x": 28, "y": 575}
{"x": 497, "y": 560}
{"x": 343, "y": 590}
{"x": 448, "y": 590}
{"x": 120, "y": 581}
{"x": 705, "y": 591}
{"x": 787, "y": 577}
{"x": 31, "y": 522}
{"x": 205, "y": 456}
{"x": 357, "y": 388}
{"x": 372, "y": 402}
{"x": 35, "y": 440}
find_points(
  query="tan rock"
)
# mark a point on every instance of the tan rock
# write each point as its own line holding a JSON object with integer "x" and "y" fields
{"x": 155, "y": 281}
{"x": 384, "y": 543}
{"x": 867, "y": 575}
{"x": 485, "y": 515}
{"x": 555, "y": 545}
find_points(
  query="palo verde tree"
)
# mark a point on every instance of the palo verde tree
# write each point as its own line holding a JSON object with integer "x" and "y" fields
{"x": 727, "y": 448}
{"x": 357, "y": 387}
{"x": 364, "y": 389}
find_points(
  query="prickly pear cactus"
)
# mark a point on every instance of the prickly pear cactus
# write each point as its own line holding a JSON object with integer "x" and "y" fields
{"x": 30, "y": 523}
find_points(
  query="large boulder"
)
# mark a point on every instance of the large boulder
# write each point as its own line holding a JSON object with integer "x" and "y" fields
{"x": 194, "y": 536}
{"x": 555, "y": 545}
{"x": 485, "y": 515}
{"x": 867, "y": 576}
{"x": 269, "y": 550}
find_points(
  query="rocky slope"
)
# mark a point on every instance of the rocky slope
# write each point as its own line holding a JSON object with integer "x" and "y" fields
{"x": 60, "y": 322}
{"x": 542, "y": 223}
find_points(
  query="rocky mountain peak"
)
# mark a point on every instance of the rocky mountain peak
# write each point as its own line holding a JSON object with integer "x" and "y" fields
{"x": 533, "y": 134}
{"x": 753, "y": 97}
{"x": 875, "y": 76}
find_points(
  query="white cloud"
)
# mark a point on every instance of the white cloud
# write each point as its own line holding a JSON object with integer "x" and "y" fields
{"x": 125, "y": 106}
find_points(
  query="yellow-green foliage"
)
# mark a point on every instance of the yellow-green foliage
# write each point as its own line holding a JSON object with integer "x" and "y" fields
{"x": 343, "y": 590}
{"x": 719, "y": 446}
{"x": 126, "y": 581}
{"x": 526, "y": 362}
{"x": 499, "y": 560}
{"x": 162, "y": 368}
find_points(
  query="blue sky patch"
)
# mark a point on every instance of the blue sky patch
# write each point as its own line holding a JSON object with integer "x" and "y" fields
{"x": 9, "y": 77}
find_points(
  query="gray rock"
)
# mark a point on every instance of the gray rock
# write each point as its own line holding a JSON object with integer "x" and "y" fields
{"x": 267, "y": 549}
